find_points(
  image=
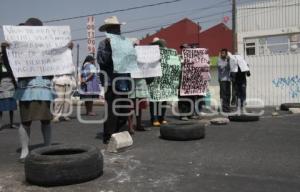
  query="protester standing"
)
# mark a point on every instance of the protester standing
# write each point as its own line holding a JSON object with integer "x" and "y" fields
{"x": 224, "y": 79}
{"x": 157, "y": 109}
{"x": 186, "y": 104}
{"x": 113, "y": 123}
{"x": 241, "y": 81}
{"x": 7, "y": 89}
{"x": 35, "y": 96}
{"x": 63, "y": 86}
{"x": 90, "y": 85}
{"x": 139, "y": 95}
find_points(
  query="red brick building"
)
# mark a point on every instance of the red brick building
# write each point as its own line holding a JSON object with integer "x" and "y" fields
{"x": 187, "y": 31}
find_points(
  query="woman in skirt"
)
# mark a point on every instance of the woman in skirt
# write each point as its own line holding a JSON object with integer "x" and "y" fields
{"x": 90, "y": 84}
{"x": 140, "y": 96}
{"x": 34, "y": 95}
{"x": 7, "y": 90}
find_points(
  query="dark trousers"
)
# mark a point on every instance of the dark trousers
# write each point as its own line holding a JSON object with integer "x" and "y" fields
{"x": 241, "y": 87}
{"x": 225, "y": 91}
{"x": 233, "y": 93}
{"x": 158, "y": 111}
{"x": 114, "y": 123}
{"x": 186, "y": 106}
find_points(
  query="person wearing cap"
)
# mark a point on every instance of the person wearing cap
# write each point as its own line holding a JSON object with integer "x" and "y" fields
{"x": 113, "y": 123}
{"x": 89, "y": 88}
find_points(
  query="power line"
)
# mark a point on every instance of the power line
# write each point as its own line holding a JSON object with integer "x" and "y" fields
{"x": 169, "y": 14}
{"x": 113, "y": 11}
{"x": 175, "y": 13}
{"x": 155, "y": 26}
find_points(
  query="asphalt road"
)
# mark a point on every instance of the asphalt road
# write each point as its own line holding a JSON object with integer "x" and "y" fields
{"x": 257, "y": 156}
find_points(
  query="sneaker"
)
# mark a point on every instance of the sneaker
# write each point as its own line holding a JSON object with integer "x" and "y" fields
{"x": 55, "y": 120}
{"x": 156, "y": 123}
{"x": 184, "y": 119}
{"x": 164, "y": 122}
{"x": 67, "y": 118}
{"x": 194, "y": 117}
{"x": 13, "y": 126}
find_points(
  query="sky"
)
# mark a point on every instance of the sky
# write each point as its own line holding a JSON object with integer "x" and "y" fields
{"x": 207, "y": 12}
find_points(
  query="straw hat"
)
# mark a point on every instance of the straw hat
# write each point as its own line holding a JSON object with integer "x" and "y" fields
{"x": 113, "y": 20}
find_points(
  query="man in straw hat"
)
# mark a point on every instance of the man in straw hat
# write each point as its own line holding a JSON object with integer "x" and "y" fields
{"x": 113, "y": 122}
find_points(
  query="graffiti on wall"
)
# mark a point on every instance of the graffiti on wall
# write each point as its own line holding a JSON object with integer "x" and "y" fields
{"x": 292, "y": 83}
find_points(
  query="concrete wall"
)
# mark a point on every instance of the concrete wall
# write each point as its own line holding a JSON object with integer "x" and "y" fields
{"x": 275, "y": 78}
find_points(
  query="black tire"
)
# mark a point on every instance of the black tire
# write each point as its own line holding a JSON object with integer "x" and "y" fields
{"x": 287, "y": 106}
{"x": 243, "y": 118}
{"x": 63, "y": 165}
{"x": 182, "y": 131}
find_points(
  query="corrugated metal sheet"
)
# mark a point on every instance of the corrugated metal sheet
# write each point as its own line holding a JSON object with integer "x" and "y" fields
{"x": 266, "y": 15}
{"x": 275, "y": 79}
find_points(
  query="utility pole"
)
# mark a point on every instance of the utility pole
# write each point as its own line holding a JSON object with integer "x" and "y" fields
{"x": 77, "y": 66}
{"x": 198, "y": 34}
{"x": 234, "y": 35}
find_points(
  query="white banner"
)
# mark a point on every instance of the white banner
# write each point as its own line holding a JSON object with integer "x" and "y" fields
{"x": 39, "y": 51}
{"x": 148, "y": 58}
{"x": 238, "y": 61}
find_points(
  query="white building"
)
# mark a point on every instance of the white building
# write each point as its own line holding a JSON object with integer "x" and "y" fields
{"x": 268, "y": 35}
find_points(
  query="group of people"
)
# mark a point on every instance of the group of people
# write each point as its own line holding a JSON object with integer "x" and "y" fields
{"x": 35, "y": 94}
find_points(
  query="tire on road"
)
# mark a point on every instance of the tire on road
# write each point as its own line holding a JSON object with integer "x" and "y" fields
{"x": 63, "y": 165}
{"x": 287, "y": 106}
{"x": 182, "y": 131}
{"x": 243, "y": 118}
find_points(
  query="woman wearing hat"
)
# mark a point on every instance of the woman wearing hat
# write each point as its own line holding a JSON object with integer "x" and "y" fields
{"x": 90, "y": 85}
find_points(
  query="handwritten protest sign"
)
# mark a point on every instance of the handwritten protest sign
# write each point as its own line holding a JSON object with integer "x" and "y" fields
{"x": 148, "y": 59}
{"x": 165, "y": 88}
{"x": 195, "y": 72}
{"x": 123, "y": 54}
{"x": 39, "y": 51}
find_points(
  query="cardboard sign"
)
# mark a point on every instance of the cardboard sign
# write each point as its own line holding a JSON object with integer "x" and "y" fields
{"x": 148, "y": 59}
{"x": 123, "y": 54}
{"x": 39, "y": 51}
{"x": 165, "y": 88}
{"x": 195, "y": 72}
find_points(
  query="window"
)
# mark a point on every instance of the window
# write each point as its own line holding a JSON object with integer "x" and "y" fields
{"x": 250, "y": 48}
{"x": 277, "y": 44}
{"x": 295, "y": 43}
